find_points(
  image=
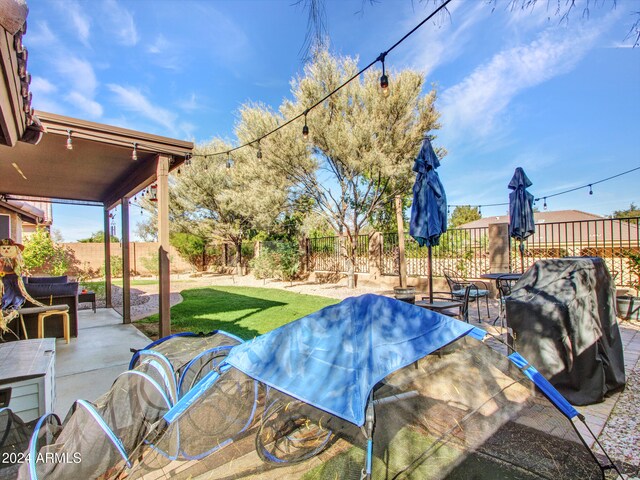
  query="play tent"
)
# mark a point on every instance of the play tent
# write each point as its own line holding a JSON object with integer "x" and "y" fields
{"x": 368, "y": 388}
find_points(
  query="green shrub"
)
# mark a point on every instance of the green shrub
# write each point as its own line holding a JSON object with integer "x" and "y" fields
{"x": 281, "y": 261}
{"x": 634, "y": 268}
{"x": 42, "y": 255}
{"x": 193, "y": 248}
{"x": 116, "y": 266}
{"x": 264, "y": 265}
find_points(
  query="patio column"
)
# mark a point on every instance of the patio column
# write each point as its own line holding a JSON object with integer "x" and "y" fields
{"x": 126, "y": 263}
{"x": 107, "y": 258}
{"x": 163, "y": 249}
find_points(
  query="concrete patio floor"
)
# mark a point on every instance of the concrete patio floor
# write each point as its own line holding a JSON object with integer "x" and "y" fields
{"x": 87, "y": 367}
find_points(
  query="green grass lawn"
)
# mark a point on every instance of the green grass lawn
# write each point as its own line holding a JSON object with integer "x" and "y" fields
{"x": 243, "y": 311}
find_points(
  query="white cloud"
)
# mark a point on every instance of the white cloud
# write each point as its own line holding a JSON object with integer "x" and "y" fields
{"x": 119, "y": 21}
{"x": 190, "y": 104}
{"x": 476, "y": 104}
{"x": 87, "y": 105}
{"x": 159, "y": 45}
{"x": 132, "y": 99}
{"x": 80, "y": 21}
{"x": 79, "y": 73}
{"x": 41, "y": 35}
{"x": 41, "y": 85}
{"x": 440, "y": 43}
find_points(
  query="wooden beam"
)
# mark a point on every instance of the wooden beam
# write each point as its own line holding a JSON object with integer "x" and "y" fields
{"x": 126, "y": 264}
{"x": 163, "y": 248}
{"x": 107, "y": 259}
{"x": 403, "y": 262}
{"x": 130, "y": 184}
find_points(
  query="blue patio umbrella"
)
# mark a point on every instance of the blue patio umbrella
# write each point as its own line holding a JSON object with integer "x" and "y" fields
{"x": 521, "y": 222}
{"x": 429, "y": 208}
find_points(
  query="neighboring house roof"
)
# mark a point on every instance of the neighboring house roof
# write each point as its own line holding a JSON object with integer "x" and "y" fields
{"x": 570, "y": 226}
{"x": 539, "y": 217}
{"x": 28, "y": 213}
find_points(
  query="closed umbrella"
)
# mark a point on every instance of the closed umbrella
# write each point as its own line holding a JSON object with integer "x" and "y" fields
{"x": 429, "y": 209}
{"x": 521, "y": 222}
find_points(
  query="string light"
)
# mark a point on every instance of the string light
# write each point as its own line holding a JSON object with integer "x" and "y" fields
{"x": 228, "y": 160}
{"x": 259, "y": 154}
{"x": 69, "y": 142}
{"x": 590, "y": 190}
{"x": 305, "y": 129}
{"x": 545, "y": 203}
{"x": 384, "y": 80}
{"x": 134, "y": 154}
{"x": 187, "y": 160}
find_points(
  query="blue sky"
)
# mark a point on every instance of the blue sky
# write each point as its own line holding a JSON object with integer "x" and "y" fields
{"x": 515, "y": 88}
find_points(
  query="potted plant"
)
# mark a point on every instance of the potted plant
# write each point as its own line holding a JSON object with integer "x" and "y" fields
{"x": 628, "y": 306}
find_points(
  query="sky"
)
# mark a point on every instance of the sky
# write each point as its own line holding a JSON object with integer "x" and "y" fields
{"x": 515, "y": 87}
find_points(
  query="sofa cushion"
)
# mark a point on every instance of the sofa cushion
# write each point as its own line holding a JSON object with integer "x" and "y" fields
{"x": 60, "y": 279}
{"x": 52, "y": 289}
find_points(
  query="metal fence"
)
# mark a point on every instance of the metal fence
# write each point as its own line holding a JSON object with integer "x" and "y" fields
{"x": 610, "y": 239}
{"x": 328, "y": 254}
{"x": 464, "y": 250}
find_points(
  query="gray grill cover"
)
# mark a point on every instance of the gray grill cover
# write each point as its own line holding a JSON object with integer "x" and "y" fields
{"x": 562, "y": 312}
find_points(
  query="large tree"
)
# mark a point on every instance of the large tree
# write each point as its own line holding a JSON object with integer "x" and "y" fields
{"x": 361, "y": 144}
{"x": 464, "y": 214}
{"x": 225, "y": 196}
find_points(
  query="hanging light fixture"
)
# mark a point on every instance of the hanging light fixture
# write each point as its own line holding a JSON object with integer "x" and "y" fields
{"x": 590, "y": 190}
{"x": 187, "y": 159}
{"x": 229, "y": 164}
{"x": 69, "y": 142}
{"x": 305, "y": 129}
{"x": 384, "y": 80}
{"x": 259, "y": 154}
{"x": 545, "y": 203}
{"x": 153, "y": 193}
{"x": 134, "y": 154}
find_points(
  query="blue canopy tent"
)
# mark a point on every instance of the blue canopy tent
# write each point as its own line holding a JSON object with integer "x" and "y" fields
{"x": 521, "y": 221}
{"x": 429, "y": 208}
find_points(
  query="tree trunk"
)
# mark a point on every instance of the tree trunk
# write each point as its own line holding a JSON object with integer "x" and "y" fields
{"x": 352, "y": 278}
{"x": 239, "y": 257}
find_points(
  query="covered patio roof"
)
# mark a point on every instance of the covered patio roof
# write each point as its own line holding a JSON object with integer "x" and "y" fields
{"x": 99, "y": 169}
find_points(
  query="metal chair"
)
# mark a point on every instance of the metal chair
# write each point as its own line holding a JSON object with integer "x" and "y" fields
{"x": 504, "y": 290}
{"x": 458, "y": 287}
{"x": 463, "y": 310}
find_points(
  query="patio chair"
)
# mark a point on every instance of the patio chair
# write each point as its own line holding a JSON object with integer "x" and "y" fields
{"x": 458, "y": 288}
{"x": 504, "y": 290}
{"x": 462, "y": 313}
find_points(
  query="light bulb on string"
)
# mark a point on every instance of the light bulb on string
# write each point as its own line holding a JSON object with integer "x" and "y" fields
{"x": 229, "y": 161}
{"x": 305, "y": 129}
{"x": 384, "y": 79}
{"x": 259, "y": 154}
{"x": 187, "y": 159}
{"x": 545, "y": 203}
{"x": 590, "y": 190}
{"x": 69, "y": 142}
{"x": 134, "y": 154}
{"x": 480, "y": 210}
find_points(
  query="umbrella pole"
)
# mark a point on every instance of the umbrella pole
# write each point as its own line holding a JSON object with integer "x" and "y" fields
{"x": 521, "y": 257}
{"x": 430, "y": 276}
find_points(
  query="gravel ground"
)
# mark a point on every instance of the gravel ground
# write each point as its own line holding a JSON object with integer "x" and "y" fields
{"x": 620, "y": 436}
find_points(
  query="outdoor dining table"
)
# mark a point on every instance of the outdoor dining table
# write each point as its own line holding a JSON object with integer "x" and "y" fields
{"x": 440, "y": 305}
{"x": 501, "y": 277}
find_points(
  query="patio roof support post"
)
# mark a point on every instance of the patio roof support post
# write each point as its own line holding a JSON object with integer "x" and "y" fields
{"x": 107, "y": 258}
{"x": 163, "y": 250}
{"x": 126, "y": 263}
